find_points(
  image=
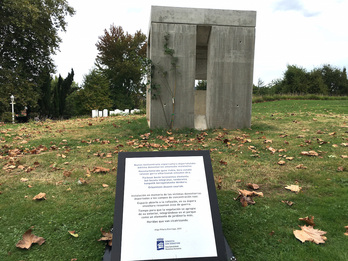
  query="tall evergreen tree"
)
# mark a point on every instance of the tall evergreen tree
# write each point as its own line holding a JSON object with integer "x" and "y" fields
{"x": 62, "y": 88}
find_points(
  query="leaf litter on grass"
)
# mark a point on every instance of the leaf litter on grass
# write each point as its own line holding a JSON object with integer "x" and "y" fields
{"x": 231, "y": 152}
{"x": 28, "y": 239}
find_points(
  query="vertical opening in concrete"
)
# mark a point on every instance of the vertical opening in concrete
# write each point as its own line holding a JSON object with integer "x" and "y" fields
{"x": 202, "y": 40}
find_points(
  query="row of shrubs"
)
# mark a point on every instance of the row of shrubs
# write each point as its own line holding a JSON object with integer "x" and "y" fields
{"x": 278, "y": 97}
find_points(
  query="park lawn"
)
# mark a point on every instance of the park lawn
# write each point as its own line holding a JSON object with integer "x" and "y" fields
{"x": 57, "y": 156}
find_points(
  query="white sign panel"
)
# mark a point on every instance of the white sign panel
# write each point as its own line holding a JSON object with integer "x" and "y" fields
{"x": 166, "y": 209}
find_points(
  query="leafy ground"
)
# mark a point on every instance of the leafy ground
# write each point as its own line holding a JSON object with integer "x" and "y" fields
{"x": 73, "y": 161}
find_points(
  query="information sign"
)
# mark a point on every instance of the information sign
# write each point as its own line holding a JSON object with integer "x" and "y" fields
{"x": 166, "y": 208}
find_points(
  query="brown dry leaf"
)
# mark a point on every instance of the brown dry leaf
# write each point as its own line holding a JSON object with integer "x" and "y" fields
{"x": 259, "y": 194}
{"x": 294, "y": 188}
{"x": 219, "y": 186}
{"x": 40, "y": 196}
{"x": 246, "y": 201}
{"x": 107, "y": 236}
{"x": 344, "y": 144}
{"x": 346, "y": 234}
{"x": 310, "y": 153}
{"x": 344, "y": 156}
{"x": 289, "y": 203}
{"x": 246, "y": 193}
{"x": 24, "y": 179}
{"x": 253, "y": 186}
{"x": 308, "y": 233}
{"x": 100, "y": 170}
{"x": 105, "y": 185}
{"x": 281, "y": 162}
{"x": 28, "y": 239}
{"x": 340, "y": 168}
{"x": 289, "y": 158}
{"x": 309, "y": 221}
{"x": 222, "y": 162}
{"x": 81, "y": 181}
{"x": 67, "y": 173}
{"x": 21, "y": 167}
{"x": 273, "y": 150}
{"x": 245, "y": 197}
{"x": 301, "y": 166}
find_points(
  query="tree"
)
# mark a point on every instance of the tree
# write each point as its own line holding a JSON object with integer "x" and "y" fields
{"x": 201, "y": 85}
{"x": 335, "y": 79}
{"x": 316, "y": 83}
{"x": 62, "y": 88}
{"x": 122, "y": 59}
{"x": 45, "y": 95}
{"x": 28, "y": 38}
{"x": 295, "y": 80}
{"x": 94, "y": 94}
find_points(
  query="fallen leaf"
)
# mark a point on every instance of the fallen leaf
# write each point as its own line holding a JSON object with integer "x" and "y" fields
{"x": 301, "y": 166}
{"x": 246, "y": 201}
{"x": 21, "y": 167}
{"x": 107, "y": 236}
{"x": 28, "y": 239}
{"x": 294, "y": 188}
{"x": 340, "y": 168}
{"x": 344, "y": 156}
{"x": 281, "y": 162}
{"x": 100, "y": 170}
{"x": 245, "y": 197}
{"x": 73, "y": 233}
{"x": 40, "y": 196}
{"x": 346, "y": 234}
{"x": 253, "y": 186}
{"x": 308, "y": 233}
{"x": 310, "y": 153}
{"x": 289, "y": 158}
{"x": 289, "y": 203}
{"x": 309, "y": 221}
{"x": 219, "y": 186}
{"x": 222, "y": 162}
{"x": 24, "y": 179}
{"x": 81, "y": 181}
{"x": 105, "y": 185}
{"x": 273, "y": 150}
{"x": 67, "y": 173}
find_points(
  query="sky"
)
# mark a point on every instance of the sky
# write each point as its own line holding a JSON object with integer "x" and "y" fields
{"x": 305, "y": 33}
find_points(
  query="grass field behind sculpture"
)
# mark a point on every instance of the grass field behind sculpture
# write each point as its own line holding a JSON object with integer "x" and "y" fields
{"x": 73, "y": 161}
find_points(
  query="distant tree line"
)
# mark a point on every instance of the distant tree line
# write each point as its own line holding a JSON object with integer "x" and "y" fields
{"x": 325, "y": 80}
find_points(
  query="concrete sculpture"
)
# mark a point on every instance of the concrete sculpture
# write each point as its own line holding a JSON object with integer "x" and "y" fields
{"x": 189, "y": 44}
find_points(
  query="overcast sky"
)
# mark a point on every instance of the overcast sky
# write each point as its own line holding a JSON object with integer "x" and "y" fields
{"x": 306, "y": 33}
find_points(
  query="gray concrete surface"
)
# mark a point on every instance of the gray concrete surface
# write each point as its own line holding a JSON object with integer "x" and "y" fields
{"x": 213, "y": 45}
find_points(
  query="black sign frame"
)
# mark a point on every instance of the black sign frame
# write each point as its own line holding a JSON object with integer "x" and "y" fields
{"x": 118, "y": 212}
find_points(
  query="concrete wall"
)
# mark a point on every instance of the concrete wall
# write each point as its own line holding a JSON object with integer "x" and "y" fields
{"x": 230, "y": 76}
{"x": 182, "y": 38}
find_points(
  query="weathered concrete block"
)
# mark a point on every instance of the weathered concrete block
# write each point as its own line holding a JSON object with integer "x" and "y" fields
{"x": 213, "y": 45}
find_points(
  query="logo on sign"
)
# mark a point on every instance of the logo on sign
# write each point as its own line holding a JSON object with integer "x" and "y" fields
{"x": 160, "y": 244}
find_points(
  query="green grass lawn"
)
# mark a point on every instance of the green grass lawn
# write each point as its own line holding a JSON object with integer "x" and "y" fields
{"x": 54, "y": 155}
